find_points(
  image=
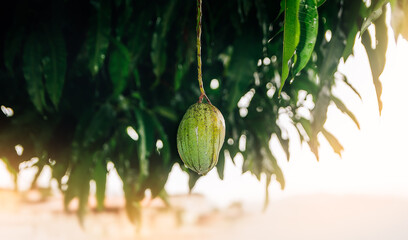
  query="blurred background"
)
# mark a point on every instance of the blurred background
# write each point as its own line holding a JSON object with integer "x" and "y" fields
{"x": 357, "y": 190}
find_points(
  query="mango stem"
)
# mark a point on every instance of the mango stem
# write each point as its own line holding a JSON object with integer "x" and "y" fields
{"x": 200, "y": 75}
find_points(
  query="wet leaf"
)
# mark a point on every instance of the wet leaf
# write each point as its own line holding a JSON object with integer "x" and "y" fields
{"x": 291, "y": 34}
{"x": 308, "y": 20}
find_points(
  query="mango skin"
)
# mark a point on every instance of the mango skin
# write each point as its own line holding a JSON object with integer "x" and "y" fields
{"x": 200, "y": 137}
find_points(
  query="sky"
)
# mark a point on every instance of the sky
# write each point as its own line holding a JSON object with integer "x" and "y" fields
{"x": 374, "y": 160}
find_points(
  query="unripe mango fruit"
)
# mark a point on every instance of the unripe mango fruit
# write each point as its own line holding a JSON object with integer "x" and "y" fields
{"x": 200, "y": 137}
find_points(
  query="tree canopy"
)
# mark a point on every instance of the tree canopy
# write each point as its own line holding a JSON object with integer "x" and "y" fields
{"x": 84, "y": 83}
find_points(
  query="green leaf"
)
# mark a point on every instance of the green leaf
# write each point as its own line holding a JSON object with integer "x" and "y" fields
{"x": 221, "y": 165}
{"x": 83, "y": 201}
{"x": 100, "y": 127}
{"x": 320, "y": 2}
{"x": 275, "y": 167}
{"x": 291, "y": 34}
{"x": 348, "y": 50}
{"x": 192, "y": 180}
{"x": 78, "y": 186}
{"x": 165, "y": 151}
{"x": 98, "y": 35}
{"x": 334, "y": 143}
{"x": 308, "y": 20}
{"x": 158, "y": 55}
{"x": 145, "y": 128}
{"x": 12, "y": 46}
{"x": 375, "y": 12}
{"x": 166, "y": 112}
{"x": 55, "y": 64}
{"x": 241, "y": 68}
{"x": 33, "y": 71}
{"x": 159, "y": 45}
{"x": 99, "y": 175}
{"x": 340, "y": 105}
{"x": 283, "y": 142}
{"x": 119, "y": 63}
{"x": 185, "y": 57}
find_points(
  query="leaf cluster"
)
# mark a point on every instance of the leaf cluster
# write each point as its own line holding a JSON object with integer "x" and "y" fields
{"x": 100, "y": 82}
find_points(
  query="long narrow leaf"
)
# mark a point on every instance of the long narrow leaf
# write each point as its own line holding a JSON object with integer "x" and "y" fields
{"x": 308, "y": 20}
{"x": 33, "y": 71}
{"x": 376, "y": 56}
{"x": 340, "y": 105}
{"x": 291, "y": 35}
{"x": 55, "y": 64}
{"x": 119, "y": 64}
{"x": 334, "y": 143}
{"x": 99, "y": 175}
{"x": 98, "y": 38}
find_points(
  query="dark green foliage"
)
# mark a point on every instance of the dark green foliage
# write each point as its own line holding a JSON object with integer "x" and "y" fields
{"x": 79, "y": 74}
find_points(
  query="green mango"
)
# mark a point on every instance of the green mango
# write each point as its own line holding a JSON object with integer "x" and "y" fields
{"x": 200, "y": 137}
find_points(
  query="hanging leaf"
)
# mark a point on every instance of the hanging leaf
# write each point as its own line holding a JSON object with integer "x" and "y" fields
{"x": 240, "y": 70}
{"x": 268, "y": 181}
{"x": 275, "y": 167}
{"x": 158, "y": 55}
{"x": 100, "y": 127}
{"x": 376, "y": 56}
{"x": 399, "y": 19}
{"x": 340, "y": 105}
{"x": 320, "y": 2}
{"x": 119, "y": 63}
{"x": 159, "y": 45}
{"x": 185, "y": 57}
{"x": 54, "y": 64}
{"x": 313, "y": 141}
{"x": 167, "y": 113}
{"x": 165, "y": 151}
{"x": 192, "y": 180}
{"x": 334, "y": 143}
{"x": 221, "y": 165}
{"x": 12, "y": 46}
{"x": 291, "y": 34}
{"x": 99, "y": 175}
{"x": 33, "y": 71}
{"x": 98, "y": 35}
{"x": 146, "y": 140}
{"x": 345, "y": 80}
{"x": 284, "y": 142}
{"x": 78, "y": 186}
{"x": 348, "y": 50}
{"x": 376, "y": 11}
{"x": 308, "y": 20}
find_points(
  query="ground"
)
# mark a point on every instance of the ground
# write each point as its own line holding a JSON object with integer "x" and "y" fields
{"x": 193, "y": 217}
